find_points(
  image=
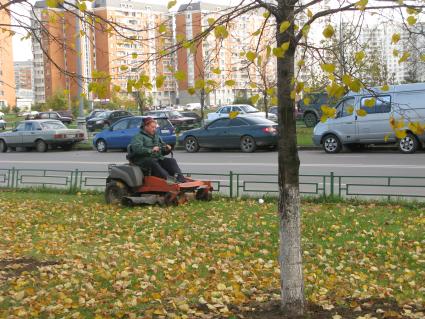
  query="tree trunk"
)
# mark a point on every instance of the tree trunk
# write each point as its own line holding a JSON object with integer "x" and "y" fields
{"x": 202, "y": 105}
{"x": 291, "y": 273}
{"x": 266, "y": 106}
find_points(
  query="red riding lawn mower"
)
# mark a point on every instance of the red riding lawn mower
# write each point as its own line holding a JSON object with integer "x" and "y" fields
{"x": 127, "y": 185}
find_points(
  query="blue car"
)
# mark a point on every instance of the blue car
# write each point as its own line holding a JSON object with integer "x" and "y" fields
{"x": 119, "y": 135}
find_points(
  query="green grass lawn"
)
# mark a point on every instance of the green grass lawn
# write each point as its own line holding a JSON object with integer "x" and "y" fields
{"x": 99, "y": 261}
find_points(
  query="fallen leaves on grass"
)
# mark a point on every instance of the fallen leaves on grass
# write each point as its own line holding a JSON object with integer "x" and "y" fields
{"x": 201, "y": 259}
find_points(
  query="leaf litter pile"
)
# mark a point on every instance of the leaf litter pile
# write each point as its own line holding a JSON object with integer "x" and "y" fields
{"x": 75, "y": 257}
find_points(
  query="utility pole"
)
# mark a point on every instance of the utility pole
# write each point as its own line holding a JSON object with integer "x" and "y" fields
{"x": 79, "y": 70}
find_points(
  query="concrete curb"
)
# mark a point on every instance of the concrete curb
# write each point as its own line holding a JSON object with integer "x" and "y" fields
{"x": 181, "y": 148}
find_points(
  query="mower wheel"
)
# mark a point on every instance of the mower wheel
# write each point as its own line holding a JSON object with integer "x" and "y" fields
{"x": 171, "y": 199}
{"x": 115, "y": 191}
{"x": 204, "y": 194}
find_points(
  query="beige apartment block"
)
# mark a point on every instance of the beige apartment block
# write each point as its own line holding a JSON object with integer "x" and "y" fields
{"x": 211, "y": 53}
{"x": 133, "y": 49}
{"x": 7, "y": 79}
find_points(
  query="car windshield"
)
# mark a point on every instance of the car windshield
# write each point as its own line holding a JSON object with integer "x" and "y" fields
{"x": 175, "y": 114}
{"x": 103, "y": 115}
{"x": 52, "y": 125}
{"x": 248, "y": 108}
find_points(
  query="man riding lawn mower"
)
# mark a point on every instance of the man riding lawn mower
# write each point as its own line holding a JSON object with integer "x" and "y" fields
{"x": 150, "y": 177}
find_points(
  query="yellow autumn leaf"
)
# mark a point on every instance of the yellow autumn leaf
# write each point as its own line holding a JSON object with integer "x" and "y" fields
{"x": 404, "y": 57}
{"x": 266, "y": 14}
{"x": 278, "y": 52}
{"x": 385, "y": 87}
{"x": 230, "y": 83}
{"x": 400, "y": 134}
{"x": 328, "y": 31}
{"x": 255, "y": 98}
{"x": 361, "y": 5}
{"x": 416, "y": 128}
{"x": 329, "y": 68}
{"x": 162, "y": 28}
{"x": 221, "y": 32}
{"x": 191, "y": 91}
{"x": 386, "y": 137}
{"x": 306, "y": 101}
{"x": 179, "y": 75}
{"x": 233, "y": 114}
{"x": 396, "y": 52}
{"x": 355, "y": 85}
{"x": 359, "y": 56}
{"x": 395, "y": 38}
{"x": 293, "y": 94}
{"x": 116, "y": 88}
{"x": 180, "y": 37}
{"x": 284, "y": 26}
{"x": 309, "y": 13}
{"x": 350, "y": 110}
{"x": 301, "y": 63}
{"x": 361, "y": 112}
{"x": 256, "y": 33}
{"x": 159, "y": 81}
{"x": 411, "y": 20}
{"x": 346, "y": 79}
{"x": 134, "y": 55}
{"x": 171, "y": 4}
{"x": 274, "y": 100}
{"x": 210, "y": 21}
{"x": 251, "y": 56}
{"x": 123, "y": 67}
{"x": 216, "y": 71}
{"x": 422, "y": 57}
{"x": 252, "y": 85}
{"x": 370, "y": 102}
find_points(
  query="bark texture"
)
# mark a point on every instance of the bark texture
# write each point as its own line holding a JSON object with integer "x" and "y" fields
{"x": 292, "y": 281}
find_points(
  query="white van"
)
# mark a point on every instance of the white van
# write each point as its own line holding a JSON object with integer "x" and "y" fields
{"x": 348, "y": 129}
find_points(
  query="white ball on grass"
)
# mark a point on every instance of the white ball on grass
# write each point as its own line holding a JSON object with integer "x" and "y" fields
{"x": 261, "y": 201}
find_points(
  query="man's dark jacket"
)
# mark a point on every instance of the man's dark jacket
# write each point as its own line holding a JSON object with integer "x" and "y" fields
{"x": 141, "y": 148}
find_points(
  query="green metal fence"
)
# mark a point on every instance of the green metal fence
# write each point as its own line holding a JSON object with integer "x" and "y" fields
{"x": 232, "y": 184}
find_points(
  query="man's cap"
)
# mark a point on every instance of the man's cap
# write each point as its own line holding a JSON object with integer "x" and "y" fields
{"x": 147, "y": 120}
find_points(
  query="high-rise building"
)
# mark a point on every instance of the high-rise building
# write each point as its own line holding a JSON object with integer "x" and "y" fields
{"x": 55, "y": 53}
{"x": 7, "y": 83}
{"x": 24, "y": 79}
{"x": 122, "y": 54}
{"x": 212, "y": 53}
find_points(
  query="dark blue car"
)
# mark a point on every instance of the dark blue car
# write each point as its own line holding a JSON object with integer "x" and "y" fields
{"x": 244, "y": 132}
{"x": 119, "y": 135}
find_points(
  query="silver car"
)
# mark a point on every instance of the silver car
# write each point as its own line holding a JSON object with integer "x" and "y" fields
{"x": 40, "y": 134}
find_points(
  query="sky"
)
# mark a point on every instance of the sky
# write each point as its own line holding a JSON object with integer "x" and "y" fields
{"x": 22, "y": 49}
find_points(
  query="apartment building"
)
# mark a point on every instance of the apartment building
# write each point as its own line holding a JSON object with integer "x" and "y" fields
{"x": 7, "y": 83}
{"x": 192, "y": 19}
{"x": 123, "y": 54}
{"x": 24, "y": 79}
{"x": 55, "y": 53}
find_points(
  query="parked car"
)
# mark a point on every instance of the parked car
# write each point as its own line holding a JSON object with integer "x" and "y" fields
{"x": 193, "y": 106}
{"x": 401, "y": 102}
{"x": 106, "y": 119}
{"x": 119, "y": 135}
{"x": 53, "y": 116}
{"x": 2, "y": 124}
{"x": 192, "y": 114}
{"x": 179, "y": 121}
{"x": 244, "y": 132}
{"x": 312, "y": 112}
{"x": 29, "y": 115}
{"x": 66, "y": 113}
{"x": 40, "y": 134}
{"x": 298, "y": 113}
{"x": 94, "y": 113}
{"x": 246, "y": 109}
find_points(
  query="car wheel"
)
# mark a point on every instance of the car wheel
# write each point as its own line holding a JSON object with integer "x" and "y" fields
{"x": 3, "y": 146}
{"x": 191, "y": 144}
{"x": 115, "y": 191}
{"x": 310, "y": 119}
{"x": 101, "y": 146}
{"x": 248, "y": 144}
{"x": 408, "y": 144}
{"x": 331, "y": 144}
{"x": 41, "y": 146}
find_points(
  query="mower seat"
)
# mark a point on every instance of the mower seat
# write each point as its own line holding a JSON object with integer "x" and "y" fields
{"x": 130, "y": 157}
{"x": 131, "y": 175}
